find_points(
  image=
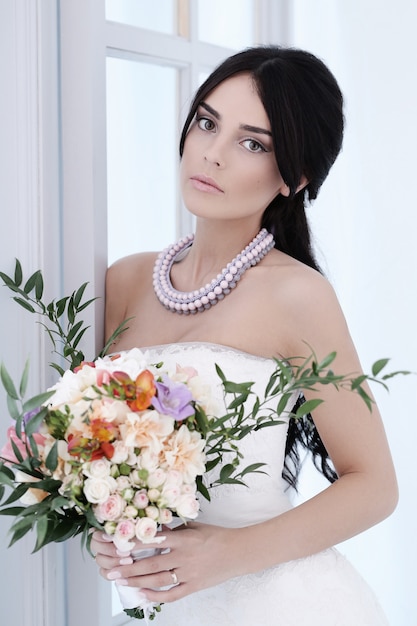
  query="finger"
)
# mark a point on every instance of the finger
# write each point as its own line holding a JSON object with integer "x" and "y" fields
{"x": 163, "y": 580}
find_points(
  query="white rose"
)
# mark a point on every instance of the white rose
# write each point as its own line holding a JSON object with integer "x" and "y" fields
{"x": 152, "y": 512}
{"x": 153, "y": 494}
{"x": 187, "y": 506}
{"x": 96, "y": 490}
{"x": 97, "y": 469}
{"x": 146, "y": 529}
{"x": 170, "y": 495}
{"x": 157, "y": 478}
{"x": 130, "y": 511}
{"x": 173, "y": 479}
{"x": 132, "y": 362}
{"x": 123, "y": 482}
{"x": 165, "y": 516}
{"x": 121, "y": 453}
{"x": 72, "y": 386}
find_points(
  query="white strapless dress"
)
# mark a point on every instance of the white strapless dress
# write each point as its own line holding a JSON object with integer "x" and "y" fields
{"x": 321, "y": 590}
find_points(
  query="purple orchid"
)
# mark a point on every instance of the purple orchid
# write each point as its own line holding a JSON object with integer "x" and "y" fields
{"x": 173, "y": 399}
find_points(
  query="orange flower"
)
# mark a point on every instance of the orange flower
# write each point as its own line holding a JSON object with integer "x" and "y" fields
{"x": 144, "y": 391}
{"x": 102, "y": 430}
{"x": 106, "y": 449}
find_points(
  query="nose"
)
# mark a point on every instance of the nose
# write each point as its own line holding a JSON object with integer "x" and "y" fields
{"x": 215, "y": 153}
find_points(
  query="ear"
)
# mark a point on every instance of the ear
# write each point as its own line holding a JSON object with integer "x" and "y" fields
{"x": 285, "y": 190}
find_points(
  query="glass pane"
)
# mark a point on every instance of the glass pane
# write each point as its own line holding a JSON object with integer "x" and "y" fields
{"x": 160, "y": 15}
{"x": 142, "y": 156}
{"x": 228, "y": 23}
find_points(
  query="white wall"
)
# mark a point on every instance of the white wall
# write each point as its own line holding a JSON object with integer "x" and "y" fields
{"x": 365, "y": 223}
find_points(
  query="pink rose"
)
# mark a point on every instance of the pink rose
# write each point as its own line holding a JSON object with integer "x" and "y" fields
{"x": 187, "y": 506}
{"x": 141, "y": 500}
{"x": 110, "y": 510}
{"x": 7, "y": 452}
{"x": 125, "y": 530}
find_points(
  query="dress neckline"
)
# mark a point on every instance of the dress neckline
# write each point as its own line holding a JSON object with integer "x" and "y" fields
{"x": 214, "y": 347}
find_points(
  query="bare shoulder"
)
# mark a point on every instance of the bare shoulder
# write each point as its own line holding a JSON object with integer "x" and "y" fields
{"x": 123, "y": 270}
{"x": 126, "y": 280}
{"x": 308, "y": 303}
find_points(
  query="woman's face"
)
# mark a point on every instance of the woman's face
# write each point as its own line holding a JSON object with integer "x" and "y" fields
{"x": 228, "y": 168}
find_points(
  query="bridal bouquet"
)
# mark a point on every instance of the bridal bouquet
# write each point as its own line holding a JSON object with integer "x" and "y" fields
{"x": 122, "y": 445}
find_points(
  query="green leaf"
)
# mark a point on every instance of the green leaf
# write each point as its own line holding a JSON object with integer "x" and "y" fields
{"x": 250, "y": 469}
{"x": 60, "y": 306}
{"x": 74, "y": 330}
{"x": 6, "y": 471}
{"x": 357, "y": 382}
{"x": 79, "y": 294}
{"x": 51, "y": 461}
{"x": 308, "y": 407}
{"x": 201, "y": 488}
{"x": 79, "y": 337}
{"x": 71, "y": 311}
{"x": 16, "y": 451}
{"x": 226, "y": 471}
{"x": 24, "y": 379}
{"x": 58, "y": 368}
{"x": 39, "y": 286}
{"x": 8, "y": 383}
{"x": 41, "y": 532}
{"x": 220, "y": 373}
{"x": 18, "y": 275}
{"x": 326, "y": 361}
{"x": 85, "y": 305}
{"x": 365, "y": 397}
{"x": 20, "y": 532}
{"x": 378, "y": 366}
{"x": 18, "y": 492}
{"x": 8, "y": 281}
{"x": 13, "y": 408}
{"x": 30, "y": 283}
{"x": 241, "y": 388}
{"x": 24, "y": 304}
{"x": 119, "y": 330}
{"x": 13, "y": 510}
{"x": 34, "y": 423}
{"x": 37, "y": 401}
{"x": 282, "y": 404}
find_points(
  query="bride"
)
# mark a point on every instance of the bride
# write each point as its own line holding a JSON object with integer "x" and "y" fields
{"x": 260, "y": 138}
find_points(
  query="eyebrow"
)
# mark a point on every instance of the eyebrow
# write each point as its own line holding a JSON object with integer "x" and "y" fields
{"x": 249, "y": 127}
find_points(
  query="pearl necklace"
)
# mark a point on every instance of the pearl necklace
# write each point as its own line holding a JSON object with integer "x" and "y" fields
{"x": 201, "y": 299}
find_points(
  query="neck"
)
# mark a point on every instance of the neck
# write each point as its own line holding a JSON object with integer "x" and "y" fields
{"x": 215, "y": 244}
{"x": 191, "y": 299}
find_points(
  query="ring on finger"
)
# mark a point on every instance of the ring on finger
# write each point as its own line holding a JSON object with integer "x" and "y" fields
{"x": 174, "y": 577}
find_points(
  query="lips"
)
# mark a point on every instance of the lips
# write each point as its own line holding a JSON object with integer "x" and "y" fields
{"x": 205, "y": 183}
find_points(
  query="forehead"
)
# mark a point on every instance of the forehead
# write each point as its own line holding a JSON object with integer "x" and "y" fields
{"x": 237, "y": 98}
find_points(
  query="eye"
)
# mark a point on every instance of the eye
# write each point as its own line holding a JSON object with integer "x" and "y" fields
{"x": 205, "y": 123}
{"x": 253, "y": 146}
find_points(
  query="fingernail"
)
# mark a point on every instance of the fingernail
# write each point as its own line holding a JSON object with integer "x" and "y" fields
{"x": 126, "y": 561}
{"x": 114, "y": 575}
{"x": 122, "y": 582}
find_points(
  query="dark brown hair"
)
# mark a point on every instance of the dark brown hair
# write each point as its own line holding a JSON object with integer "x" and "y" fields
{"x": 304, "y": 105}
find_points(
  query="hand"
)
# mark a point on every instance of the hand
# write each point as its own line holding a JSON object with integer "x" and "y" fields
{"x": 199, "y": 555}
